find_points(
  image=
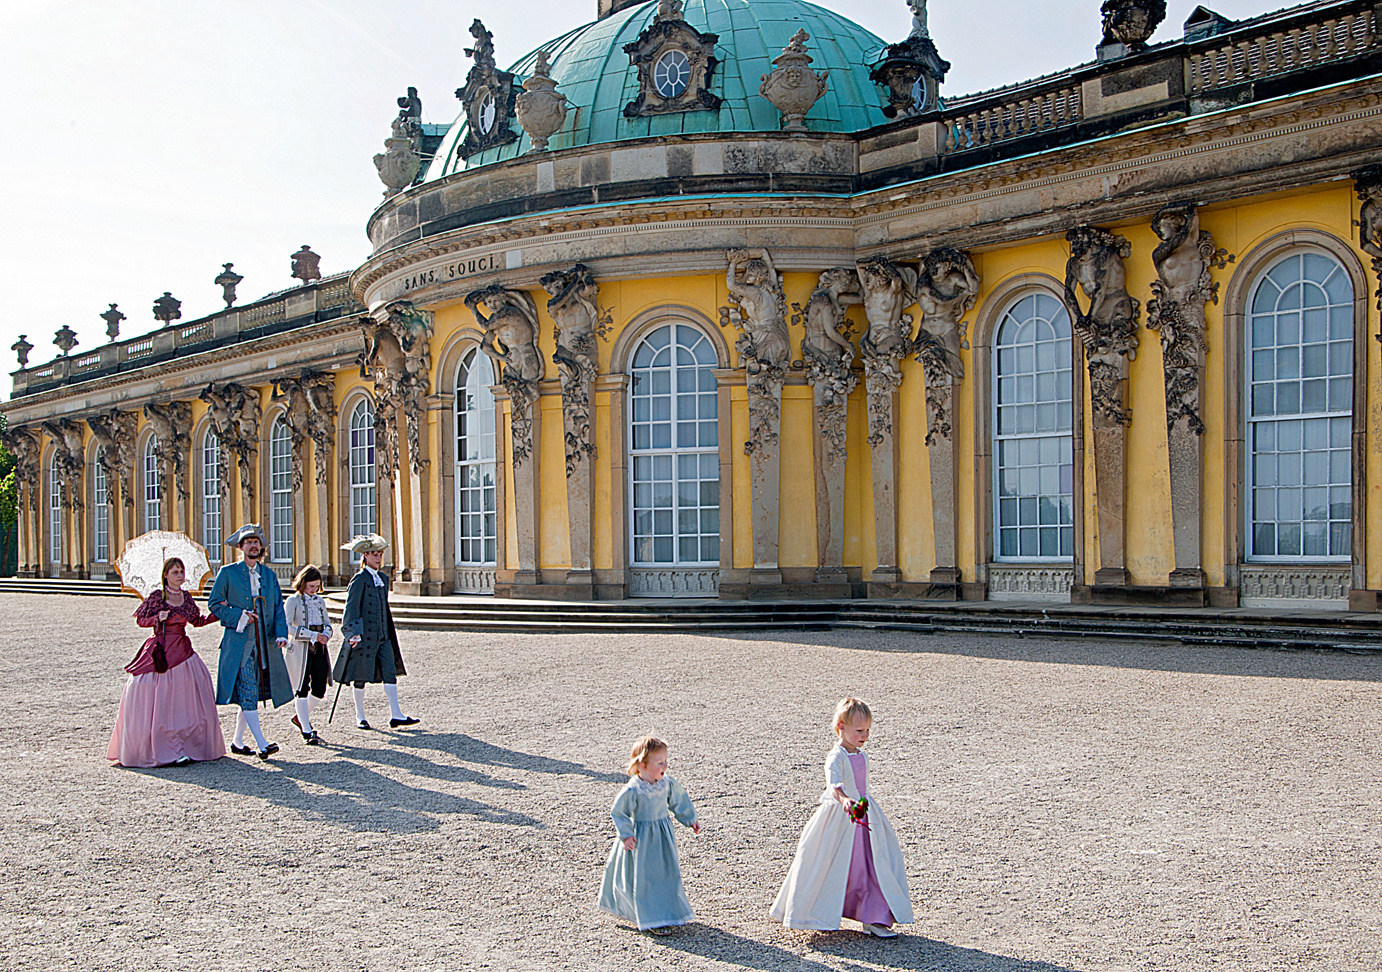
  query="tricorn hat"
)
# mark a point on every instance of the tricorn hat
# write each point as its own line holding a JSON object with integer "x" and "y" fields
{"x": 244, "y": 533}
{"x": 365, "y": 543}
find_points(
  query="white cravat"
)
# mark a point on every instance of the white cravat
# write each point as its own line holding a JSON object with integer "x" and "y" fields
{"x": 378, "y": 581}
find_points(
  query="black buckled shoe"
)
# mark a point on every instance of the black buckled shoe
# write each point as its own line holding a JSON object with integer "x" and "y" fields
{"x": 241, "y": 750}
{"x": 311, "y": 739}
{"x": 267, "y": 751}
{"x": 403, "y": 723}
{"x": 362, "y": 724}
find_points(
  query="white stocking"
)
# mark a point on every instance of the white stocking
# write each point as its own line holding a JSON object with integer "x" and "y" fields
{"x": 392, "y": 692}
{"x": 239, "y": 729}
{"x": 304, "y": 717}
{"x": 359, "y": 704}
{"x": 251, "y": 718}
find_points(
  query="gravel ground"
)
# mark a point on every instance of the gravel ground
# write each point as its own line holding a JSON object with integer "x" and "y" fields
{"x": 1063, "y": 806}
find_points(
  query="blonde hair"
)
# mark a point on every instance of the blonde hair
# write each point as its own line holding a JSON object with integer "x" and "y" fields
{"x": 847, "y": 711}
{"x": 643, "y": 751}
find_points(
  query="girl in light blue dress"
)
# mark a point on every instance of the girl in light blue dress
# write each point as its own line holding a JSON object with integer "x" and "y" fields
{"x": 642, "y": 878}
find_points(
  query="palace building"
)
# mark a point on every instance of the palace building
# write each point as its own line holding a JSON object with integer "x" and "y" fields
{"x": 731, "y": 298}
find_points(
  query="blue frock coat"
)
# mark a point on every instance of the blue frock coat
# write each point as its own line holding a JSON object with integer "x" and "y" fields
{"x": 229, "y": 597}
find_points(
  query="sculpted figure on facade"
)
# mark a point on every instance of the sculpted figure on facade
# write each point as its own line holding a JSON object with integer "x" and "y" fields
{"x": 1108, "y": 330}
{"x": 171, "y": 424}
{"x": 399, "y": 163}
{"x": 383, "y": 362}
{"x": 69, "y": 459}
{"x": 792, "y": 87}
{"x": 828, "y": 353}
{"x": 576, "y": 312}
{"x": 235, "y": 416}
{"x": 398, "y": 357}
{"x": 24, "y": 445}
{"x": 764, "y": 347}
{"x": 488, "y": 97}
{"x": 511, "y": 331}
{"x": 319, "y": 389}
{"x": 1367, "y": 182}
{"x": 1131, "y": 22}
{"x": 115, "y": 433}
{"x": 918, "y": 18}
{"x": 541, "y": 109}
{"x": 947, "y": 288}
{"x": 291, "y": 393}
{"x": 888, "y": 290}
{"x": 1183, "y": 260}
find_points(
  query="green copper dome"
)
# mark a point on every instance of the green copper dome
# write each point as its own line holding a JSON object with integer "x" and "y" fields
{"x": 593, "y": 71}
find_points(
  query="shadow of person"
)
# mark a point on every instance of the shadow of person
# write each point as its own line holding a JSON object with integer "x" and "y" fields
{"x": 346, "y": 794}
{"x": 917, "y": 953}
{"x": 420, "y": 766}
{"x": 473, "y": 750}
{"x": 710, "y": 942}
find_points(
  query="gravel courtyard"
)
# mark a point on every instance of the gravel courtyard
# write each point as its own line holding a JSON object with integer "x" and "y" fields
{"x": 1063, "y": 806}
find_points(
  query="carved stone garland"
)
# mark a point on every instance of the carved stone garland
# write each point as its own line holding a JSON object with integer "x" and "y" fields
{"x": 1367, "y": 181}
{"x": 828, "y": 355}
{"x": 1183, "y": 260}
{"x": 575, "y": 309}
{"x": 947, "y": 288}
{"x": 764, "y": 352}
{"x": 487, "y": 96}
{"x": 511, "y": 332}
{"x": 1108, "y": 333}
{"x": 888, "y": 290}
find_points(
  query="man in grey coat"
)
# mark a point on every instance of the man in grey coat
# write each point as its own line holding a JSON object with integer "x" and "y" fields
{"x": 370, "y": 651}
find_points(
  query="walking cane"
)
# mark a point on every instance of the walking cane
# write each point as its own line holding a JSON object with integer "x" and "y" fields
{"x": 339, "y": 685}
{"x": 261, "y": 649}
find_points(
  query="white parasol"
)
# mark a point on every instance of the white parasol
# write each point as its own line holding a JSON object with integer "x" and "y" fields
{"x": 141, "y": 562}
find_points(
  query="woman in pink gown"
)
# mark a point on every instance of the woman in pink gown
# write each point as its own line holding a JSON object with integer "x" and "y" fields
{"x": 168, "y": 709}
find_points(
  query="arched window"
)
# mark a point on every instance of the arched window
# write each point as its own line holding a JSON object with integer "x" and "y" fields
{"x": 280, "y": 494}
{"x": 1300, "y": 411}
{"x": 54, "y": 512}
{"x": 211, "y": 496}
{"x": 100, "y": 512}
{"x": 476, "y": 519}
{"x": 1033, "y": 448}
{"x": 362, "y": 475}
{"x": 153, "y": 518}
{"x": 674, "y": 435}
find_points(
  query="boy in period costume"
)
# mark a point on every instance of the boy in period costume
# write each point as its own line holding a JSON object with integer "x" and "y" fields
{"x": 251, "y": 668}
{"x": 370, "y": 652}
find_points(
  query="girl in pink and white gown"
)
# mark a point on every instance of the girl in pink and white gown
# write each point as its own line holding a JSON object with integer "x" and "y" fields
{"x": 168, "y": 709}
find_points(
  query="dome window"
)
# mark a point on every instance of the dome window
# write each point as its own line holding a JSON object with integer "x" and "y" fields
{"x": 672, "y": 73}
{"x": 489, "y": 108}
{"x": 675, "y": 63}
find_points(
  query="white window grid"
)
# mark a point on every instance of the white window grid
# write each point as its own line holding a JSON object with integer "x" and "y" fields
{"x": 1033, "y": 446}
{"x": 674, "y": 438}
{"x": 280, "y": 494}
{"x": 100, "y": 513}
{"x": 1300, "y": 412}
{"x": 54, "y": 513}
{"x": 362, "y": 474}
{"x": 153, "y": 496}
{"x": 476, "y": 473}
{"x": 211, "y": 496}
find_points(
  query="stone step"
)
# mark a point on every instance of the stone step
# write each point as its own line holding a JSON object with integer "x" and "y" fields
{"x": 52, "y": 585}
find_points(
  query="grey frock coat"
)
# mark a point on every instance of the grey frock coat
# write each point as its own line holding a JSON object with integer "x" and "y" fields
{"x": 376, "y": 658}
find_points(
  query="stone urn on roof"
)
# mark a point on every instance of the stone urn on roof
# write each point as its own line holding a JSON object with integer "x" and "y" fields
{"x": 792, "y": 86}
{"x": 541, "y": 109}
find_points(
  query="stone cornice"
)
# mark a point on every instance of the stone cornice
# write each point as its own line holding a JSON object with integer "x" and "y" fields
{"x": 157, "y": 371}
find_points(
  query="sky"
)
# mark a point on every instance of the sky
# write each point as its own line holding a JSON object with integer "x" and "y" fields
{"x": 151, "y": 141}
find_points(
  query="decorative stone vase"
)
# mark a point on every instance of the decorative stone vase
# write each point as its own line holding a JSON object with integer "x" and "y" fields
{"x": 540, "y": 109}
{"x": 792, "y": 86}
{"x": 1131, "y": 22}
{"x": 399, "y": 163}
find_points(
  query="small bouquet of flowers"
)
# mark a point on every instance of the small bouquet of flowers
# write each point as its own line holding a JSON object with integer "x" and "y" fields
{"x": 859, "y": 812}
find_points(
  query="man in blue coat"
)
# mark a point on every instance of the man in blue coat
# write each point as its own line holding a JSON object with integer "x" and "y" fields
{"x": 251, "y": 668}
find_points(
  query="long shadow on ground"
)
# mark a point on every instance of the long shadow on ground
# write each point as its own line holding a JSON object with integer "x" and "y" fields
{"x": 912, "y": 952}
{"x": 473, "y": 750}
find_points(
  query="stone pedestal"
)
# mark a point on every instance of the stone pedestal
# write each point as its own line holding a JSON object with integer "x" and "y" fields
{"x": 763, "y": 448}
{"x": 1110, "y": 439}
{"x": 882, "y": 395}
{"x": 940, "y": 444}
{"x": 526, "y": 429}
{"x": 580, "y": 483}
{"x": 1186, "y": 449}
{"x": 830, "y": 411}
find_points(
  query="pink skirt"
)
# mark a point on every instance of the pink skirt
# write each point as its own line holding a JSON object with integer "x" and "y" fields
{"x": 166, "y": 717}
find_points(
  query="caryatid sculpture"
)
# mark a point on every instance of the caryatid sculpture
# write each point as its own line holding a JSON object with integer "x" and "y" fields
{"x": 69, "y": 458}
{"x": 511, "y": 331}
{"x": 235, "y": 416}
{"x": 765, "y": 351}
{"x": 1183, "y": 261}
{"x": 828, "y": 355}
{"x": 573, "y": 307}
{"x": 171, "y": 424}
{"x": 412, "y": 327}
{"x": 383, "y": 362}
{"x": 115, "y": 432}
{"x": 888, "y": 290}
{"x": 947, "y": 288}
{"x": 1367, "y": 182}
{"x": 1108, "y": 333}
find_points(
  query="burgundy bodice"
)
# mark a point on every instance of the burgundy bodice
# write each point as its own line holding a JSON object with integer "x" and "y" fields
{"x": 176, "y": 645}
